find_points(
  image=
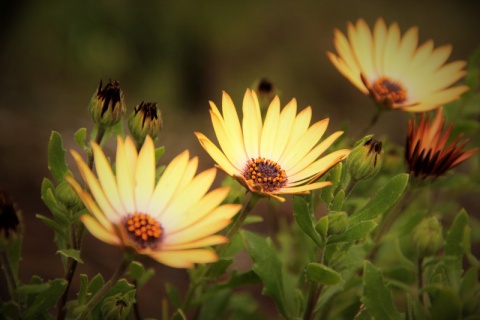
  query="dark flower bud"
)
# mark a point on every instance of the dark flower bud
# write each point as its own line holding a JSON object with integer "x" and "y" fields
{"x": 365, "y": 160}
{"x": 107, "y": 105}
{"x": 118, "y": 306}
{"x": 427, "y": 237}
{"x": 9, "y": 221}
{"x": 266, "y": 91}
{"x": 145, "y": 119}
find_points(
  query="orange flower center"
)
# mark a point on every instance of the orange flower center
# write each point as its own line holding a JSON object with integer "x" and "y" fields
{"x": 388, "y": 89}
{"x": 266, "y": 173}
{"x": 143, "y": 229}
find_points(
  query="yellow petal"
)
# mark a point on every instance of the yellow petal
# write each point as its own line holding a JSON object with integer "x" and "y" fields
{"x": 305, "y": 188}
{"x": 380, "y": 38}
{"x": 352, "y": 74}
{"x": 217, "y": 155}
{"x": 96, "y": 189}
{"x": 320, "y": 166}
{"x": 285, "y": 125}
{"x": 125, "y": 177}
{"x": 270, "y": 128}
{"x": 145, "y": 175}
{"x": 252, "y": 124}
{"x": 167, "y": 185}
{"x": 391, "y": 48}
{"x": 232, "y": 122}
{"x": 205, "y": 242}
{"x": 184, "y": 258}
{"x": 100, "y": 232}
{"x": 362, "y": 45}
{"x": 300, "y": 126}
{"x": 405, "y": 53}
{"x": 189, "y": 173}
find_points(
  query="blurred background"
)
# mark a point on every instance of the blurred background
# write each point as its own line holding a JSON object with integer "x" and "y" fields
{"x": 180, "y": 54}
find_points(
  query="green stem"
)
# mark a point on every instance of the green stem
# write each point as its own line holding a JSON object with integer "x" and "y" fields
{"x": 9, "y": 275}
{"x": 422, "y": 296}
{"x": 314, "y": 293}
{"x": 220, "y": 250}
{"x": 76, "y": 240}
{"x": 127, "y": 259}
{"x": 350, "y": 186}
{"x": 374, "y": 120}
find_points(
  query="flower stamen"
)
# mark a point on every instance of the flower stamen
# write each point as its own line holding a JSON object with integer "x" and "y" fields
{"x": 266, "y": 173}
{"x": 389, "y": 90}
{"x": 143, "y": 229}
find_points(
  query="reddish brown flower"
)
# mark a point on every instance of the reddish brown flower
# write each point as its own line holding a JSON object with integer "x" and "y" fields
{"x": 427, "y": 152}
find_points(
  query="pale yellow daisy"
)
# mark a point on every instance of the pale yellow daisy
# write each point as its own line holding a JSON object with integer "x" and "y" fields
{"x": 171, "y": 221}
{"x": 275, "y": 157}
{"x": 393, "y": 70}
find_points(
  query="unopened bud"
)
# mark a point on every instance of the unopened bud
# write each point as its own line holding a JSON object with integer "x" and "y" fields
{"x": 9, "y": 221}
{"x": 427, "y": 237}
{"x": 118, "y": 306}
{"x": 365, "y": 160}
{"x": 145, "y": 119}
{"x": 266, "y": 91}
{"x": 107, "y": 105}
{"x": 66, "y": 195}
{"x": 337, "y": 222}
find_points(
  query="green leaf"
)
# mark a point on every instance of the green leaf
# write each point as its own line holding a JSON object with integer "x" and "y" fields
{"x": 159, "y": 152}
{"x": 385, "y": 199}
{"x": 220, "y": 267}
{"x": 319, "y": 273}
{"x": 80, "y": 137}
{"x": 45, "y": 299}
{"x": 337, "y": 202}
{"x": 303, "y": 216}
{"x": 376, "y": 296}
{"x": 9, "y": 310}
{"x": 173, "y": 295}
{"x": 334, "y": 176}
{"x": 268, "y": 268}
{"x": 322, "y": 227}
{"x": 138, "y": 273}
{"x": 454, "y": 242}
{"x": 216, "y": 306}
{"x": 445, "y": 304}
{"x": 355, "y": 233}
{"x": 71, "y": 253}
{"x": 56, "y": 157}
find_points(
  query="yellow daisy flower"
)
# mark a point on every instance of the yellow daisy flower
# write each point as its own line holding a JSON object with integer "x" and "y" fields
{"x": 392, "y": 70}
{"x": 171, "y": 221}
{"x": 278, "y": 156}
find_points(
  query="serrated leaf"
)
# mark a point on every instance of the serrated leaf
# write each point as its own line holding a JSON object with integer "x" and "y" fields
{"x": 220, "y": 267}
{"x": 355, "y": 233}
{"x": 303, "y": 216}
{"x": 56, "y": 157}
{"x": 319, "y": 273}
{"x": 80, "y": 137}
{"x": 376, "y": 296}
{"x": 268, "y": 268}
{"x": 45, "y": 299}
{"x": 385, "y": 199}
{"x": 71, "y": 253}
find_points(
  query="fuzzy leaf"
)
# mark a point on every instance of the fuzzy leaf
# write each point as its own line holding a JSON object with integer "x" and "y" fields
{"x": 268, "y": 268}
{"x": 355, "y": 233}
{"x": 71, "y": 253}
{"x": 45, "y": 299}
{"x": 319, "y": 273}
{"x": 385, "y": 199}
{"x": 376, "y": 296}
{"x": 303, "y": 216}
{"x": 56, "y": 157}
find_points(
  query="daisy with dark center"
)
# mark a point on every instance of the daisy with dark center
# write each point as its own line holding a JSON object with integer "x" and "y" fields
{"x": 393, "y": 70}
{"x": 427, "y": 153}
{"x": 278, "y": 156}
{"x": 171, "y": 221}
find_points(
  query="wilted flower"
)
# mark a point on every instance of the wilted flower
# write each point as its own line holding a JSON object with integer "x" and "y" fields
{"x": 171, "y": 221}
{"x": 278, "y": 156}
{"x": 365, "y": 160}
{"x": 9, "y": 221}
{"x": 107, "y": 105}
{"x": 427, "y": 152}
{"x": 145, "y": 119}
{"x": 392, "y": 70}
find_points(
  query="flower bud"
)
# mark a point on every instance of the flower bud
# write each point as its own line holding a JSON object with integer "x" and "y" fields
{"x": 427, "y": 237}
{"x": 66, "y": 195}
{"x": 117, "y": 306}
{"x": 266, "y": 91}
{"x": 145, "y": 119}
{"x": 337, "y": 222}
{"x": 9, "y": 222}
{"x": 107, "y": 105}
{"x": 365, "y": 160}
